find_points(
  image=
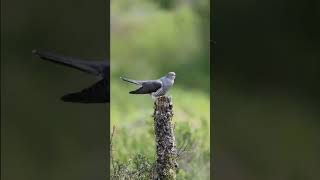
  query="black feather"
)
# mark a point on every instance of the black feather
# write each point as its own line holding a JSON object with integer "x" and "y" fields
{"x": 97, "y": 93}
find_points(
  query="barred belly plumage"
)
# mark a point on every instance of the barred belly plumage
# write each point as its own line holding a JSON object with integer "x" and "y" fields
{"x": 160, "y": 92}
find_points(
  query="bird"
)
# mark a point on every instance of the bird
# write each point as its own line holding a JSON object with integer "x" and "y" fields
{"x": 99, "y": 92}
{"x": 155, "y": 88}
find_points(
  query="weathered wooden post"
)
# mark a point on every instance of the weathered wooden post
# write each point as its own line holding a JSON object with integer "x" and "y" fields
{"x": 166, "y": 164}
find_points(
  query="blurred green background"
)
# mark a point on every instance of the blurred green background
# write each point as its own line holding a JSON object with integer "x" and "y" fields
{"x": 150, "y": 38}
{"x": 266, "y": 90}
{"x": 42, "y": 137}
{"x": 265, "y": 98}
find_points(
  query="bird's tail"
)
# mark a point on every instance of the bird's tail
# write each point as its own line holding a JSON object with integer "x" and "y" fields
{"x": 76, "y": 63}
{"x": 130, "y": 80}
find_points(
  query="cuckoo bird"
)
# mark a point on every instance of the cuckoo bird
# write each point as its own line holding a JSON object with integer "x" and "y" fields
{"x": 155, "y": 88}
{"x": 99, "y": 92}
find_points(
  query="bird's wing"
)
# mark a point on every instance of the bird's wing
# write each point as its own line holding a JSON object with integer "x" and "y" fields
{"x": 92, "y": 67}
{"x": 148, "y": 87}
{"x": 97, "y": 93}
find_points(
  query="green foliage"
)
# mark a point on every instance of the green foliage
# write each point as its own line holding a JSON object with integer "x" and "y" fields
{"x": 149, "y": 39}
{"x": 132, "y": 116}
{"x": 138, "y": 168}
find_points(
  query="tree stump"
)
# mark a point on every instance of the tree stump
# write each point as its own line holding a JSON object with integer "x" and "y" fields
{"x": 166, "y": 165}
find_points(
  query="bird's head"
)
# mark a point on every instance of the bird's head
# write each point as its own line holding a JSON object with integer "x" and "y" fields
{"x": 171, "y": 75}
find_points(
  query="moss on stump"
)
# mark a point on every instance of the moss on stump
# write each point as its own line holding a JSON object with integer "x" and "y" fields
{"x": 166, "y": 164}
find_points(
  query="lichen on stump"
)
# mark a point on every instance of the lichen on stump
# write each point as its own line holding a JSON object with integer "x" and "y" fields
{"x": 166, "y": 164}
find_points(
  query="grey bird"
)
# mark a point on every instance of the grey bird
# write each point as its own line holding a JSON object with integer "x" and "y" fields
{"x": 99, "y": 92}
{"x": 155, "y": 88}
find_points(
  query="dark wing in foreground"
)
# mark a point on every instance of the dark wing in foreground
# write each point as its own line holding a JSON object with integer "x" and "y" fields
{"x": 97, "y": 93}
{"x": 92, "y": 67}
{"x": 148, "y": 87}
